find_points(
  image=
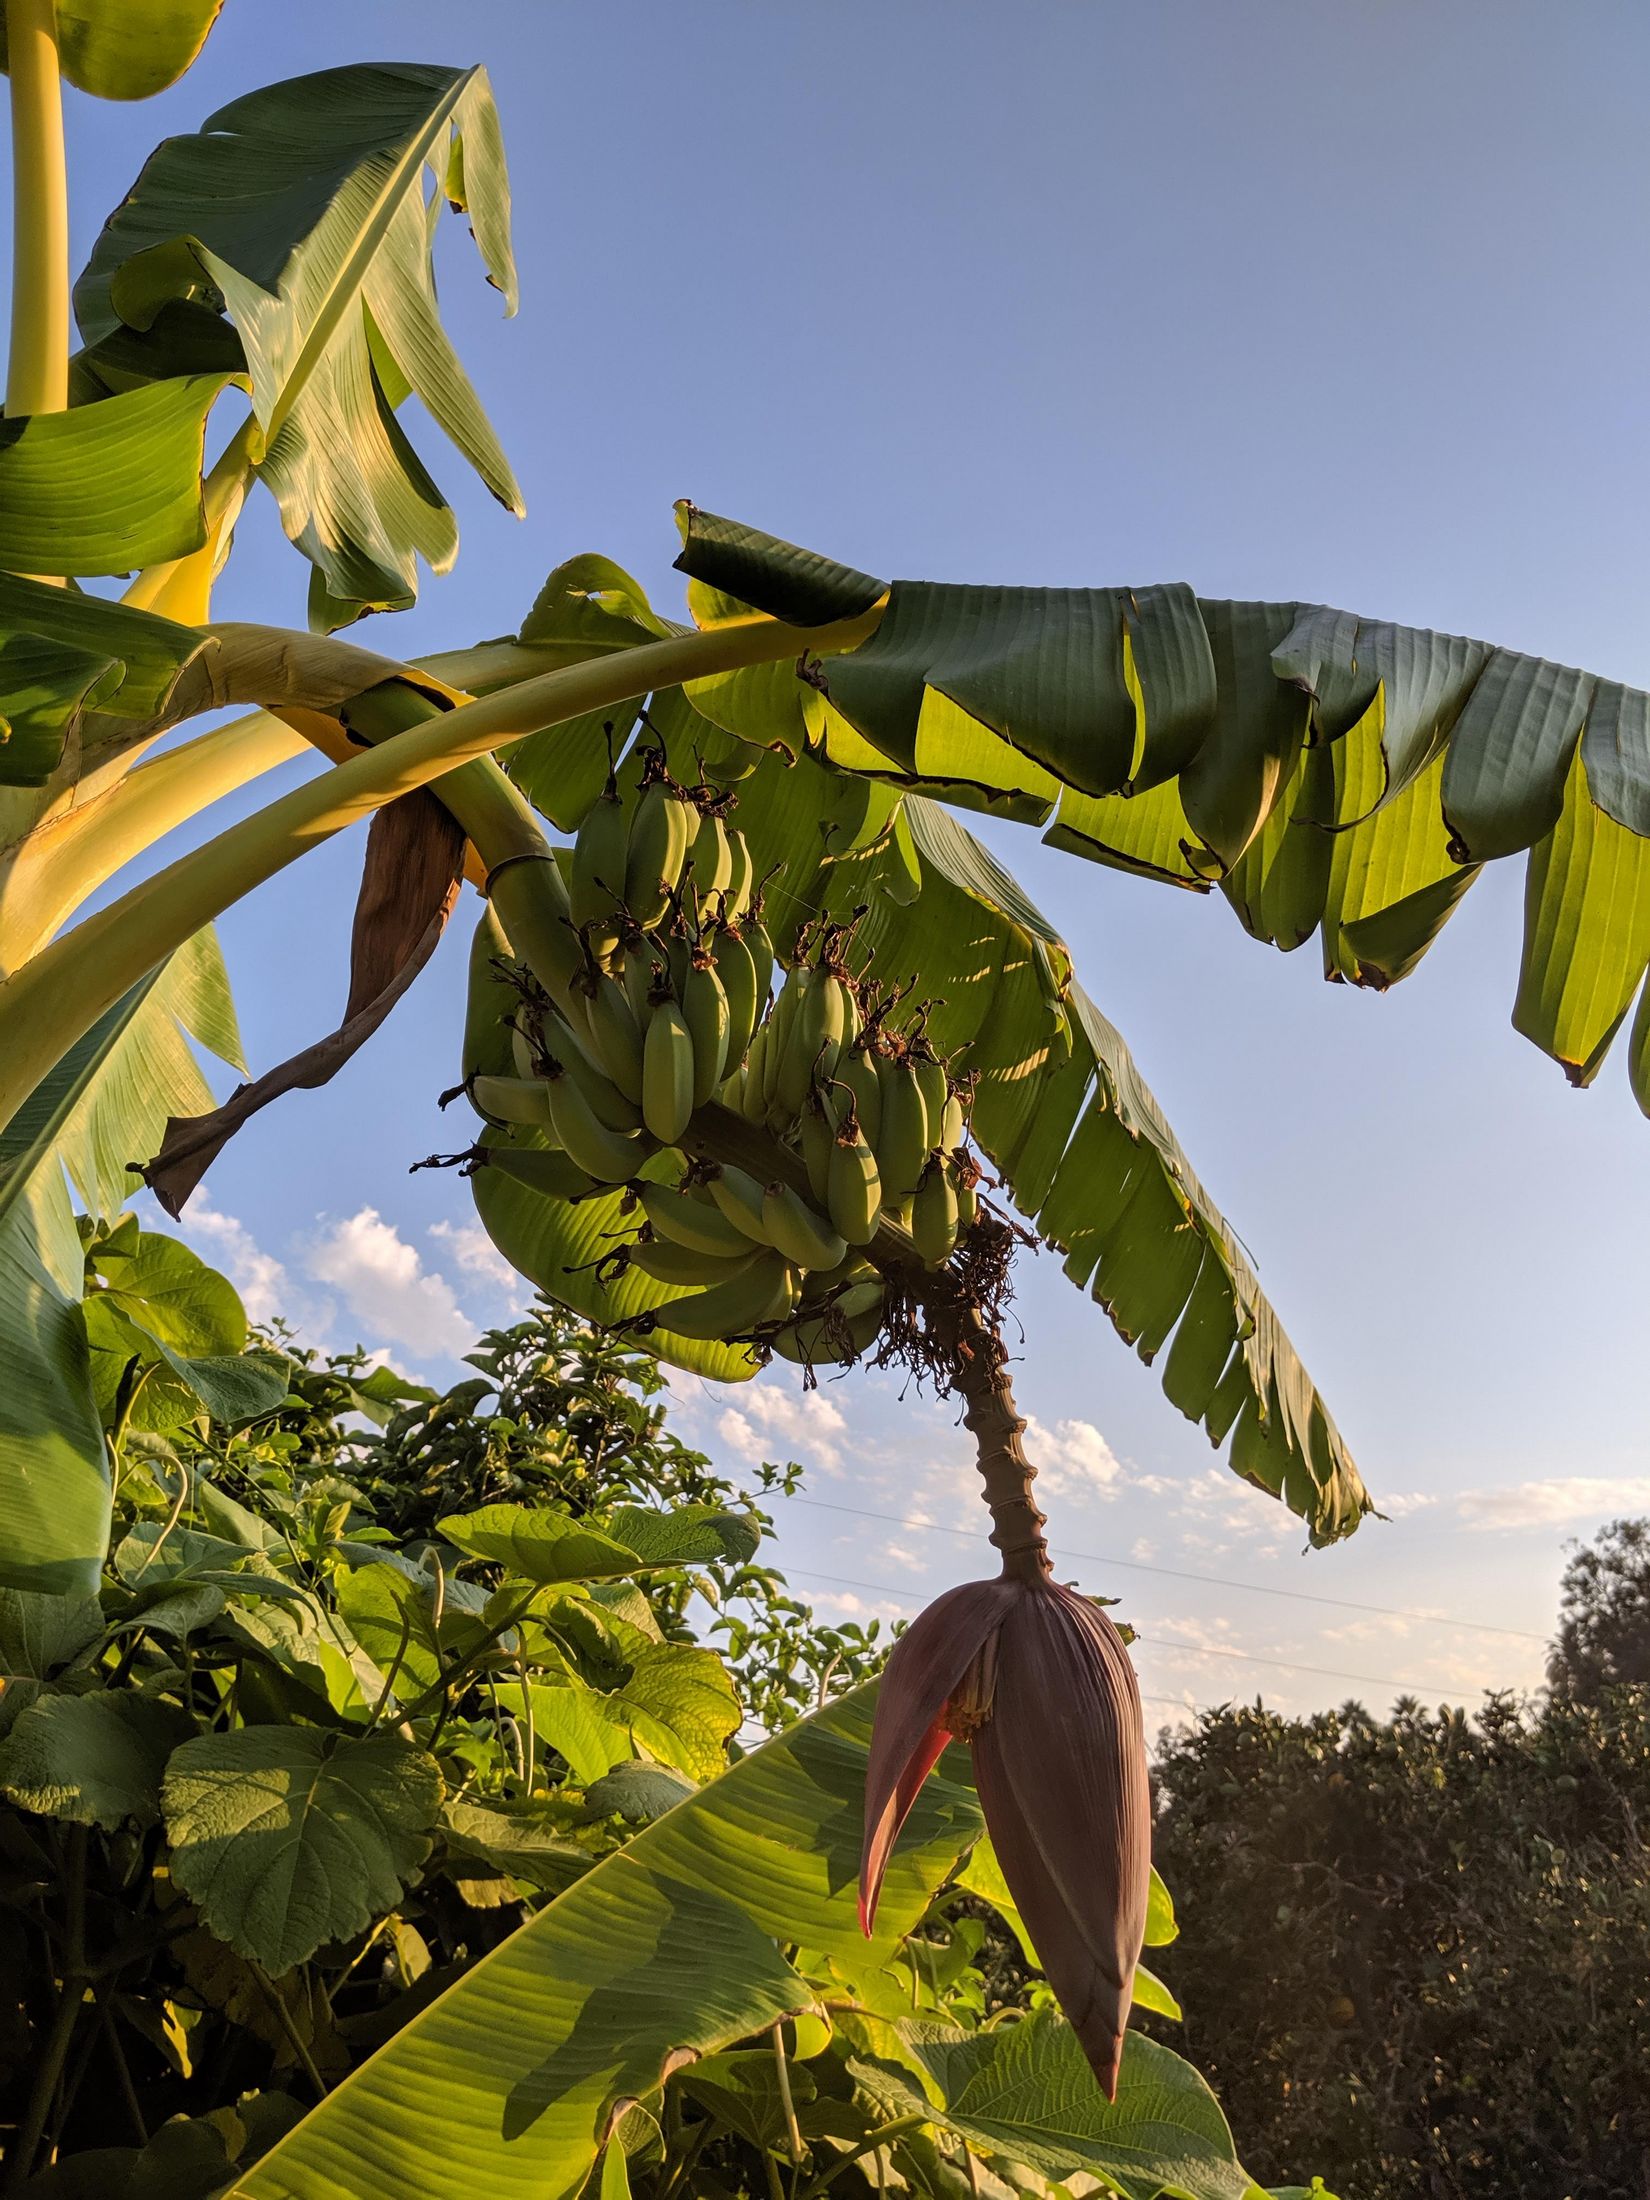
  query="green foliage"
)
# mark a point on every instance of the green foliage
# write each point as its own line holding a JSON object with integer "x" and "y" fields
{"x": 302, "y": 212}
{"x": 1332, "y": 774}
{"x": 378, "y": 1675}
{"x": 107, "y": 486}
{"x": 1415, "y": 1950}
{"x": 1603, "y": 1639}
{"x": 129, "y": 49}
{"x": 106, "y": 1100}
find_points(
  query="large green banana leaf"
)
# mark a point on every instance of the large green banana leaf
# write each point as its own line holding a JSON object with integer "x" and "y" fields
{"x": 107, "y": 1101}
{"x": 304, "y": 211}
{"x": 671, "y": 1949}
{"x": 667, "y": 1949}
{"x": 107, "y": 487}
{"x": 127, "y": 49}
{"x": 1333, "y": 775}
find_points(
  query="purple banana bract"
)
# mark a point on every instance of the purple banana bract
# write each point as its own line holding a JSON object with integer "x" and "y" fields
{"x": 1036, "y": 1680}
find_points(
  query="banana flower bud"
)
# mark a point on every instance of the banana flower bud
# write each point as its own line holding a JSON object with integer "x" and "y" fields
{"x": 1036, "y": 1680}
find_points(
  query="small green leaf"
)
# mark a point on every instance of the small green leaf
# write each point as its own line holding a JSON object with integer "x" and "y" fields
{"x": 540, "y": 1545}
{"x": 527, "y": 1841}
{"x": 687, "y": 1692}
{"x": 393, "y": 1620}
{"x": 288, "y": 1838}
{"x": 94, "y": 1759}
{"x": 40, "y": 1632}
{"x": 690, "y": 1535}
{"x": 1024, "y": 2090}
{"x": 637, "y": 1793}
{"x": 165, "y": 1287}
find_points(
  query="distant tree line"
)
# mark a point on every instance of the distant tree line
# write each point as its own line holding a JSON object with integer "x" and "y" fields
{"x": 1418, "y": 1950}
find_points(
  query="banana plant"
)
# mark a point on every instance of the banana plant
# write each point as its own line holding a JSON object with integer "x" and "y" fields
{"x": 266, "y": 287}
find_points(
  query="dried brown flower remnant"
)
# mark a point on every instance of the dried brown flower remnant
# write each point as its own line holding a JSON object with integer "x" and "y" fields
{"x": 1037, "y": 1681}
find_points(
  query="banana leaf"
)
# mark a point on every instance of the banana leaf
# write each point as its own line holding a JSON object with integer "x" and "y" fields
{"x": 1333, "y": 775}
{"x": 304, "y": 212}
{"x": 105, "y": 1102}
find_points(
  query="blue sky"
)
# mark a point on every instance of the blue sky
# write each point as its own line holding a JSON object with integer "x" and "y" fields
{"x": 1348, "y": 304}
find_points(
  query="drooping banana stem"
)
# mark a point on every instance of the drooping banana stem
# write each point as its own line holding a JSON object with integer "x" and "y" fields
{"x": 981, "y": 1376}
{"x": 37, "y": 376}
{"x": 55, "y": 999}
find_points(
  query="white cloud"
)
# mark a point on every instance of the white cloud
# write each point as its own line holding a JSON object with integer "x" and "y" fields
{"x": 1072, "y": 1458}
{"x": 1401, "y": 1503}
{"x": 383, "y": 1282}
{"x": 227, "y": 1243}
{"x": 477, "y": 1255}
{"x": 768, "y": 1418}
{"x": 1559, "y": 1499}
{"x": 843, "y": 1604}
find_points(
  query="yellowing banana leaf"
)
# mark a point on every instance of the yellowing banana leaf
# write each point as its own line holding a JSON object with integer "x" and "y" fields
{"x": 666, "y": 1949}
{"x": 127, "y": 49}
{"x": 101, "y": 1105}
{"x": 1333, "y": 774}
{"x": 304, "y": 211}
{"x": 108, "y": 487}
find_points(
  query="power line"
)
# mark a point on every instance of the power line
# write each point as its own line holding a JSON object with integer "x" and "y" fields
{"x": 1158, "y": 1642}
{"x": 1178, "y": 1573}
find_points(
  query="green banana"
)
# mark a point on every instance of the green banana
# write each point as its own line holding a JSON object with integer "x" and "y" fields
{"x": 667, "y": 1262}
{"x": 859, "y": 1073}
{"x": 792, "y": 1225}
{"x": 854, "y": 1188}
{"x": 542, "y": 1169}
{"x": 902, "y": 1131}
{"x": 763, "y": 1291}
{"x": 811, "y": 1339}
{"x": 736, "y": 967}
{"x": 667, "y": 1073}
{"x": 783, "y": 1074}
{"x": 705, "y": 1012}
{"x": 615, "y": 1036}
{"x": 640, "y": 974}
{"x": 655, "y": 853}
{"x": 531, "y": 903}
{"x": 952, "y": 1124}
{"x": 695, "y": 1224}
{"x": 736, "y": 893}
{"x": 823, "y": 1022}
{"x": 932, "y": 1084}
{"x": 523, "y": 1052}
{"x": 512, "y": 1100}
{"x": 752, "y": 1101}
{"x": 817, "y": 1137}
{"x": 573, "y": 1054}
{"x": 934, "y": 1216}
{"x": 755, "y": 936}
{"x": 712, "y": 858}
{"x": 820, "y": 1288}
{"x": 678, "y": 961}
{"x": 739, "y": 1196}
{"x": 596, "y": 890}
{"x": 611, "y": 1156}
{"x": 968, "y": 1203}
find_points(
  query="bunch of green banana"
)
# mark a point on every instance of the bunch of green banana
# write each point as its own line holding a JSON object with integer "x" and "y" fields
{"x": 831, "y": 1328}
